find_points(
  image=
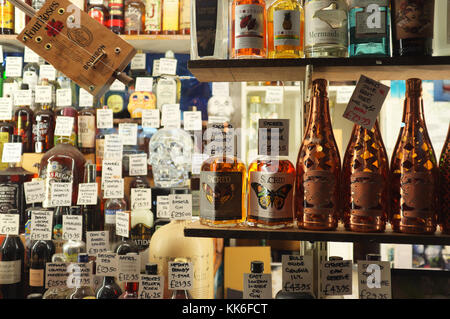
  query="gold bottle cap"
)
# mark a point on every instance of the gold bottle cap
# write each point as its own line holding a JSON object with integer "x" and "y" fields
{"x": 180, "y": 260}
{"x": 319, "y": 87}
{"x": 255, "y": 99}
{"x": 413, "y": 87}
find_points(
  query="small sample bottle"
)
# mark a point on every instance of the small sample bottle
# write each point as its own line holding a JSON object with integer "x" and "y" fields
{"x": 134, "y": 17}
{"x": 115, "y": 21}
{"x": 98, "y": 11}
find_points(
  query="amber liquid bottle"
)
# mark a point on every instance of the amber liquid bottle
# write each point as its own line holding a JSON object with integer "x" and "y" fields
{"x": 98, "y": 11}
{"x": 444, "y": 172}
{"x": 23, "y": 120}
{"x": 414, "y": 170}
{"x": 134, "y": 16}
{"x": 318, "y": 167}
{"x": 43, "y": 127}
{"x": 365, "y": 180}
{"x": 115, "y": 20}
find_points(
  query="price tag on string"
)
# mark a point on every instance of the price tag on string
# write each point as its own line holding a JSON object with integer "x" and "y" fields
{"x": 162, "y": 207}
{"x": 80, "y": 275}
{"x": 171, "y": 115}
{"x": 151, "y": 287}
{"x": 180, "y": 206}
{"x": 72, "y": 227}
{"x": 197, "y": 161}
{"x": 336, "y": 278}
{"x": 63, "y": 97}
{"x": 56, "y": 275}
{"x": 297, "y": 273}
{"x": 117, "y": 86}
{"x": 12, "y": 152}
{"x": 106, "y": 264}
{"x": 113, "y": 188}
{"x": 29, "y": 56}
{"x": 138, "y": 62}
{"x": 9, "y": 224}
{"x": 87, "y": 194}
{"x": 64, "y": 126}
{"x": 129, "y": 267}
{"x": 274, "y": 95}
{"x": 113, "y": 148}
{"x": 34, "y": 191}
{"x": 22, "y": 97}
{"x": 47, "y": 71}
{"x": 105, "y": 118}
{"x": 14, "y": 66}
{"x": 111, "y": 169}
{"x": 86, "y": 99}
{"x": 43, "y": 94}
{"x": 128, "y": 133}
{"x": 41, "y": 225}
{"x": 273, "y": 137}
{"x": 180, "y": 276}
{"x": 144, "y": 84}
{"x": 138, "y": 164}
{"x": 60, "y": 194}
{"x": 122, "y": 224}
{"x": 150, "y": 118}
{"x": 374, "y": 279}
{"x": 155, "y": 70}
{"x": 97, "y": 242}
{"x": 6, "y": 108}
{"x": 192, "y": 120}
{"x": 141, "y": 198}
{"x": 221, "y": 89}
{"x": 168, "y": 66}
{"x": 366, "y": 102}
{"x": 344, "y": 93}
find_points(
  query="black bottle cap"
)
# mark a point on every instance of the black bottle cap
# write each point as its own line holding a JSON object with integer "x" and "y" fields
{"x": 13, "y": 211}
{"x": 180, "y": 190}
{"x": 335, "y": 258}
{"x": 75, "y": 210}
{"x": 373, "y": 257}
{"x": 24, "y": 86}
{"x": 257, "y": 267}
{"x": 83, "y": 258}
{"x": 151, "y": 269}
{"x": 15, "y": 139}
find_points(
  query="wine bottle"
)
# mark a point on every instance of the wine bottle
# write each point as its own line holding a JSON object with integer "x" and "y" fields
{"x": 444, "y": 172}
{"x": 41, "y": 253}
{"x": 318, "y": 167}
{"x": 109, "y": 289}
{"x": 414, "y": 170}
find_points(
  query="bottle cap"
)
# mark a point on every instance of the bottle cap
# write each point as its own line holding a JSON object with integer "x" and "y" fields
{"x": 335, "y": 258}
{"x": 413, "y": 87}
{"x": 373, "y": 257}
{"x": 319, "y": 87}
{"x": 83, "y": 258}
{"x": 255, "y": 99}
{"x": 75, "y": 210}
{"x": 179, "y": 190}
{"x": 257, "y": 267}
{"x": 151, "y": 269}
{"x": 15, "y": 139}
{"x": 169, "y": 54}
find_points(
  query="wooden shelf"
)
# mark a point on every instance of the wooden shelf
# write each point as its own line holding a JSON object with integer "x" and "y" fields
{"x": 339, "y": 69}
{"x": 340, "y": 235}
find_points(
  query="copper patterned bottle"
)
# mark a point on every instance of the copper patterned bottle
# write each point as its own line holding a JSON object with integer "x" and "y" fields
{"x": 318, "y": 167}
{"x": 365, "y": 181}
{"x": 444, "y": 173}
{"x": 414, "y": 170}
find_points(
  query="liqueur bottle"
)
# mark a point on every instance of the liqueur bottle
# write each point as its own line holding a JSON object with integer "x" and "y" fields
{"x": 98, "y": 11}
{"x": 444, "y": 170}
{"x": 412, "y": 27}
{"x": 6, "y": 17}
{"x": 67, "y": 111}
{"x": 57, "y": 292}
{"x": 141, "y": 231}
{"x": 185, "y": 16}
{"x": 73, "y": 248}
{"x": 134, "y": 17}
{"x": 44, "y": 124}
{"x": 414, "y": 170}
{"x": 91, "y": 213}
{"x": 326, "y": 28}
{"x": 222, "y": 181}
{"x": 285, "y": 29}
{"x": 126, "y": 245}
{"x": 86, "y": 130}
{"x": 6, "y": 131}
{"x": 111, "y": 207}
{"x": 181, "y": 293}
{"x": 369, "y": 24}
{"x": 248, "y": 29}
{"x": 115, "y": 21}
{"x": 131, "y": 290}
{"x": 170, "y": 16}
{"x": 271, "y": 181}
{"x": 23, "y": 124}
{"x": 153, "y": 16}
{"x": 318, "y": 167}
{"x": 41, "y": 253}
{"x": 83, "y": 291}
{"x": 109, "y": 289}
{"x": 365, "y": 181}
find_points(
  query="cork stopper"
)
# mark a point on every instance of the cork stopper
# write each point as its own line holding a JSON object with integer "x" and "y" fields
{"x": 319, "y": 87}
{"x": 413, "y": 87}
{"x": 257, "y": 267}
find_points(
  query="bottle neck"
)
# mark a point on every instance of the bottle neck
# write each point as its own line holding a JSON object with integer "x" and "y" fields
{"x": 319, "y": 115}
{"x": 108, "y": 280}
{"x": 413, "y": 112}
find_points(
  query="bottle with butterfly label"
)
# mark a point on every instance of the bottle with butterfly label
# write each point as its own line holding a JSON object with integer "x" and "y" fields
{"x": 444, "y": 174}
{"x": 318, "y": 167}
{"x": 271, "y": 178}
{"x": 222, "y": 180}
{"x": 414, "y": 170}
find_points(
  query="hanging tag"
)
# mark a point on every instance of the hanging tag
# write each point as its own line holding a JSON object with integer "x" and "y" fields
{"x": 41, "y": 225}
{"x": 336, "y": 278}
{"x": 64, "y": 125}
{"x": 47, "y": 71}
{"x": 29, "y": 56}
{"x": 141, "y": 198}
{"x": 192, "y": 120}
{"x": 86, "y": 99}
{"x": 274, "y": 95}
{"x": 144, "y": 84}
{"x": 97, "y": 242}
{"x": 80, "y": 275}
{"x": 180, "y": 276}
{"x": 56, "y": 275}
{"x": 13, "y": 67}
{"x": 43, "y": 94}
{"x": 117, "y": 86}
{"x": 87, "y": 194}
{"x": 180, "y": 206}
{"x": 221, "y": 89}
{"x": 122, "y": 224}
{"x": 273, "y": 137}
{"x": 61, "y": 194}
{"x": 150, "y": 118}
{"x": 129, "y": 268}
{"x": 113, "y": 148}
{"x": 107, "y": 264}
{"x": 63, "y": 97}
{"x": 163, "y": 207}
{"x": 171, "y": 116}
{"x": 128, "y": 133}
{"x": 34, "y": 191}
{"x": 151, "y": 287}
{"x": 9, "y": 224}
{"x": 374, "y": 279}
{"x": 113, "y": 188}
{"x": 22, "y": 97}
{"x": 138, "y": 164}
{"x": 105, "y": 118}
{"x": 72, "y": 227}
{"x": 297, "y": 273}
{"x": 155, "y": 71}
{"x": 257, "y": 286}
{"x": 111, "y": 169}
{"x": 12, "y": 152}
{"x": 168, "y": 66}
{"x": 6, "y": 107}
{"x": 138, "y": 62}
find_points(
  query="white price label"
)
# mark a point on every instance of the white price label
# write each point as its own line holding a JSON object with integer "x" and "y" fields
{"x": 80, "y": 275}
{"x": 180, "y": 276}
{"x": 72, "y": 228}
{"x": 48, "y": 72}
{"x": 144, "y": 84}
{"x": 151, "y": 287}
{"x": 63, "y": 97}
{"x": 64, "y": 125}
{"x": 41, "y": 225}
{"x": 138, "y": 164}
{"x": 168, "y": 66}
{"x": 97, "y": 242}
{"x": 43, "y": 94}
{"x": 113, "y": 148}
{"x": 197, "y": 161}
{"x": 374, "y": 279}
{"x": 129, "y": 268}
{"x": 60, "y": 194}
{"x": 9, "y": 89}
{"x": 9, "y": 224}
{"x": 297, "y": 273}
{"x": 6, "y": 108}
{"x": 12, "y": 152}
{"x": 128, "y": 133}
{"x": 192, "y": 120}
{"x": 111, "y": 169}
{"x": 56, "y": 275}
{"x": 138, "y": 62}
{"x": 117, "y": 86}
{"x": 14, "y": 66}
{"x": 106, "y": 264}
{"x": 257, "y": 286}
{"x": 171, "y": 115}
{"x": 113, "y": 188}
{"x": 141, "y": 198}
{"x": 336, "y": 278}
{"x": 221, "y": 89}
{"x": 86, "y": 99}
{"x": 162, "y": 207}
{"x": 155, "y": 70}
{"x": 87, "y": 194}
{"x": 105, "y": 118}
{"x": 29, "y": 56}
{"x": 150, "y": 118}
{"x": 344, "y": 93}
{"x": 1, "y": 53}
{"x": 22, "y": 97}
{"x": 180, "y": 206}
{"x": 274, "y": 94}
{"x": 34, "y": 191}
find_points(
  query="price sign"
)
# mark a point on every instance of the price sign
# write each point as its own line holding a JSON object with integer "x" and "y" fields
{"x": 138, "y": 62}
{"x": 374, "y": 280}
{"x": 129, "y": 267}
{"x": 151, "y": 287}
{"x": 41, "y": 225}
{"x": 22, "y": 97}
{"x": 221, "y": 89}
{"x": 72, "y": 227}
{"x": 273, "y": 137}
{"x": 138, "y": 164}
{"x": 274, "y": 95}
{"x": 60, "y": 194}
{"x": 122, "y": 223}
{"x": 336, "y": 279}
{"x": 13, "y": 66}
{"x": 144, "y": 84}
{"x": 43, "y": 94}
{"x": 150, "y": 118}
{"x": 106, "y": 264}
{"x": 97, "y": 242}
{"x": 192, "y": 120}
{"x": 64, "y": 126}
{"x": 9, "y": 224}
{"x": 180, "y": 276}
{"x": 297, "y": 273}
{"x": 168, "y": 66}
{"x": 180, "y": 206}
{"x": 29, "y": 56}
{"x": 56, "y": 275}
{"x": 87, "y": 194}
{"x": 34, "y": 191}
{"x": 117, "y": 86}
{"x": 63, "y": 97}
{"x": 113, "y": 148}
{"x": 113, "y": 188}
{"x": 111, "y": 169}
{"x": 105, "y": 118}
{"x": 128, "y": 133}
{"x": 197, "y": 161}
{"x": 171, "y": 115}
{"x": 47, "y": 71}
{"x": 155, "y": 70}
{"x": 344, "y": 93}
{"x": 163, "y": 207}
{"x": 80, "y": 274}
{"x": 12, "y": 152}
{"x": 86, "y": 99}
{"x": 141, "y": 198}
{"x": 6, "y": 107}
{"x": 366, "y": 102}
{"x": 257, "y": 286}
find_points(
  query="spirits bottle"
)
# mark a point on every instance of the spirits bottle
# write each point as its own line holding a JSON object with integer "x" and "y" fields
{"x": 222, "y": 181}
{"x": 248, "y": 29}
{"x": 414, "y": 170}
{"x": 365, "y": 181}
{"x": 6, "y": 17}
{"x": 326, "y": 28}
{"x": 6, "y": 131}
{"x": 111, "y": 207}
{"x": 126, "y": 245}
{"x": 43, "y": 124}
{"x": 181, "y": 293}
{"x": 444, "y": 170}
{"x": 131, "y": 291}
{"x": 369, "y": 24}
{"x": 98, "y": 11}
{"x": 83, "y": 291}
{"x": 68, "y": 111}
{"x": 73, "y": 248}
{"x": 134, "y": 17}
{"x": 318, "y": 167}
{"x": 285, "y": 29}
{"x": 115, "y": 21}
{"x": 185, "y": 16}
{"x": 141, "y": 231}
{"x": 170, "y": 16}
{"x": 31, "y": 77}
{"x": 41, "y": 253}
{"x": 153, "y": 16}
{"x": 86, "y": 130}
{"x": 57, "y": 222}
{"x": 91, "y": 213}
{"x": 412, "y": 27}
{"x": 271, "y": 182}
{"x": 109, "y": 289}
{"x": 23, "y": 124}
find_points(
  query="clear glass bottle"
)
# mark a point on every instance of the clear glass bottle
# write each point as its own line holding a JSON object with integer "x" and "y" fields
{"x": 23, "y": 124}
{"x": 82, "y": 292}
{"x": 170, "y": 16}
{"x": 111, "y": 207}
{"x": 153, "y": 15}
{"x": 444, "y": 170}
{"x": 285, "y": 29}
{"x": 44, "y": 124}
{"x": 326, "y": 28}
{"x": 134, "y": 17}
{"x": 73, "y": 249}
{"x": 68, "y": 111}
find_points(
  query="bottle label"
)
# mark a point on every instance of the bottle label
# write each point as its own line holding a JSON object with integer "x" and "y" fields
{"x": 141, "y": 234}
{"x": 99, "y": 149}
{"x": 221, "y": 195}
{"x": 97, "y": 14}
{"x": 110, "y": 216}
{"x": 10, "y": 272}
{"x": 271, "y": 196}
{"x": 133, "y": 19}
{"x": 115, "y": 13}
{"x": 171, "y": 15}
{"x": 417, "y": 191}
{"x": 36, "y": 277}
{"x": 54, "y": 172}
{"x": 366, "y": 194}
{"x": 86, "y": 131}
{"x": 115, "y": 102}
{"x": 413, "y": 19}
{"x": 153, "y": 15}
{"x": 319, "y": 189}
{"x": 371, "y": 22}
{"x": 326, "y": 22}
{"x": 286, "y": 27}
{"x": 8, "y": 197}
{"x": 6, "y": 15}
{"x": 185, "y": 14}
{"x": 249, "y": 26}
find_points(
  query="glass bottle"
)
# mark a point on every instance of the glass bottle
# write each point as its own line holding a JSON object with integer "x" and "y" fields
{"x": 414, "y": 170}
{"x": 23, "y": 124}
{"x": 141, "y": 231}
{"x": 57, "y": 222}
{"x": 318, "y": 167}
{"x": 72, "y": 249}
{"x": 326, "y": 28}
{"x": 41, "y": 253}
{"x": 82, "y": 292}
{"x": 369, "y": 24}
{"x": 412, "y": 27}
{"x": 170, "y": 16}
{"x": 109, "y": 289}
{"x": 98, "y": 11}
{"x": 86, "y": 130}
{"x": 57, "y": 292}
{"x": 134, "y": 17}
{"x": 248, "y": 29}
{"x": 365, "y": 181}
{"x": 444, "y": 170}
{"x": 181, "y": 293}
{"x": 115, "y": 21}
{"x": 6, "y": 17}
{"x": 126, "y": 245}
{"x": 43, "y": 124}
{"x": 285, "y": 29}
{"x": 91, "y": 213}
{"x": 68, "y": 111}
{"x": 131, "y": 291}
{"x": 111, "y": 207}
{"x": 153, "y": 16}
{"x": 185, "y": 16}
{"x": 31, "y": 77}
{"x": 6, "y": 131}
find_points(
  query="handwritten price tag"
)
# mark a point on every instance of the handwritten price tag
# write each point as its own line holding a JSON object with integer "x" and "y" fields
{"x": 72, "y": 227}
{"x": 138, "y": 164}
{"x": 107, "y": 264}
{"x": 336, "y": 278}
{"x": 150, "y": 118}
{"x": 56, "y": 275}
{"x": 64, "y": 125}
{"x": 61, "y": 194}
{"x": 87, "y": 194}
{"x": 151, "y": 287}
{"x": 80, "y": 274}
{"x": 114, "y": 188}
{"x": 41, "y": 225}
{"x": 192, "y": 120}
{"x": 97, "y": 242}
{"x": 168, "y": 66}
{"x": 113, "y": 148}
{"x": 144, "y": 84}
{"x": 128, "y": 133}
{"x": 297, "y": 273}
{"x": 274, "y": 95}
{"x": 129, "y": 267}
{"x": 374, "y": 280}
{"x": 6, "y": 107}
{"x": 105, "y": 118}
{"x": 162, "y": 207}
{"x": 257, "y": 286}
{"x": 122, "y": 223}
{"x": 9, "y": 224}
{"x": 141, "y": 198}
{"x": 180, "y": 276}
{"x": 180, "y": 206}
{"x": 12, "y": 152}
{"x": 111, "y": 169}
{"x": 47, "y": 71}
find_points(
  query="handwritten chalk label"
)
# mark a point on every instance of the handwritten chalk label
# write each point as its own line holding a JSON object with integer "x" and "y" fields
{"x": 167, "y": 66}
{"x": 366, "y": 102}
{"x": 43, "y": 94}
{"x": 128, "y": 133}
{"x": 197, "y": 161}
{"x": 13, "y": 66}
{"x": 192, "y": 120}
{"x": 374, "y": 279}
{"x": 97, "y": 242}
{"x": 257, "y": 286}
{"x": 87, "y": 194}
{"x": 105, "y": 118}
{"x": 180, "y": 206}
{"x": 34, "y": 191}
{"x": 138, "y": 164}
{"x": 47, "y": 71}
{"x": 72, "y": 228}
{"x": 221, "y": 89}
{"x": 162, "y": 207}
{"x": 138, "y": 62}
{"x": 86, "y": 99}
{"x": 12, "y": 152}
{"x": 274, "y": 95}
{"x": 336, "y": 277}
{"x": 41, "y": 225}
{"x": 80, "y": 275}
{"x": 64, "y": 125}
{"x": 113, "y": 188}
{"x": 106, "y": 264}
{"x": 150, "y": 118}
{"x": 60, "y": 194}
{"x": 56, "y": 275}
{"x": 180, "y": 276}
{"x": 171, "y": 115}
{"x": 63, "y": 97}
{"x": 151, "y": 287}
{"x": 6, "y": 107}
{"x": 113, "y": 147}
{"x": 141, "y": 198}
{"x": 122, "y": 223}
{"x": 129, "y": 268}
{"x": 297, "y": 273}
{"x": 110, "y": 169}
{"x": 117, "y": 86}
{"x": 144, "y": 84}
{"x": 273, "y": 137}
{"x": 22, "y": 97}
{"x": 9, "y": 224}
